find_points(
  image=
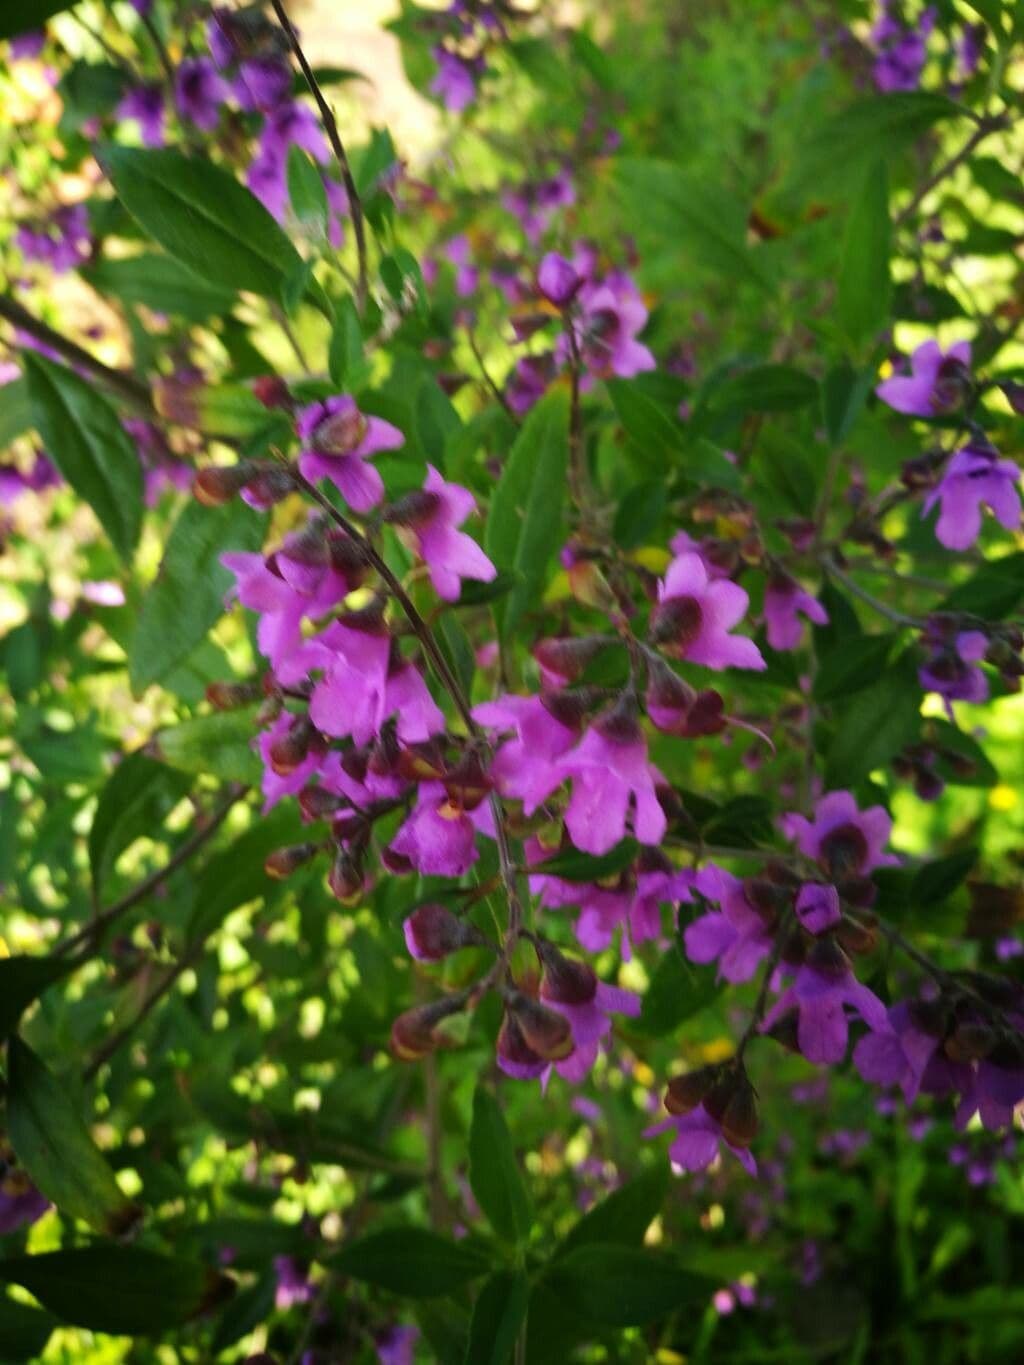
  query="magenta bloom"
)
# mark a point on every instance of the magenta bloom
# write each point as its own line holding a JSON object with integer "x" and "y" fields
{"x": 199, "y": 92}
{"x": 821, "y": 1000}
{"x": 337, "y": 441}
{"x": 696, "y": 1141}
{"x": 293, "y": 1283}
{"x": 63, "y": 242}
{"x": 277, "y": 785}
{"x": 936, "y": 384}
{"x": 901, "y": 51}
{"x": 817, "y": 907}
{"x": 952, "y": 667}
{"x": 455, "y": 81}
{"x": 844, "y": 840}
{"x": 42, "y": 474}
{"x": 467, "y": 276}
{"x": 20, "y": 1202}
{"x": 590, "y": 1022}
{"x": 784, "y": 602}
{"x": 449, "y": 554}
{"x": 529, "y": 382}
{"x": 695, "y": 614}
{"x": 280, "y": 607}
{"x": 364, "y": 683}
{"x": 525, "y": 768}
{"x": 612, "y": 784}
{"x": 557, "y": 279}
{"x": 439, "y": 838}
{"x": 397, "y": 1345}
{"x": 262, "y": 83}
{"x": 611, "y": 315}
{"x": 27, "y": 45}
{"x": 736, "y": 937}
{"x": 145, "y": 104}
{"x": 898, "y": 1051}
{"x": 974, "y": 478}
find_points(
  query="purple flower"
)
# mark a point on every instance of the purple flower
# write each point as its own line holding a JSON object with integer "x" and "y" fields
{"x": 557, "y": 279}
{"x": 937, "y": 382}
{"x": 365, "y": 683}
{"x": 842, "y": 839}
{"x": 612, "y": 784}
{"x": 466, "y": 274}
{"x": 529, "y": 383}
{"x": 439, "y": 837}
{"x": 455, "y": 81}
{"x": 14, "y": 482}
{"x": 952, "y": 667}
{"x": 525, "y": 768}
{"x": 590, "y": 1022}
{"x": 27, "y": 45}
{"x": 901, "y": 52}
{"x": 280, "y": 780}
{"x": 145, "y": 104}
{"x": 738, "y": 937}
{"x": 20, "y": 1201}
{"x": 337, "y": 441}
{"x": 899, "y": 1051}
{"x": 293, "y": 1283}
{"x": 821, "y": 999}
{"x": 199, "y": 92}
{"x": 262, "y": 83}
{"x": 975, "y": 477}
{"x": 449, "y": 554}
{"x": 397, "y": 1345}
{"x": 784, "y": 602}
{"x": 536, "y": 205}
{"x": 62, "y": 242}
{"x": 969, "y": 48}
{"x": 696, "y": 1141}
{"x": 695, "y": 614}
{"x": 817, "y": 907}
{"x": 610, "y": 316}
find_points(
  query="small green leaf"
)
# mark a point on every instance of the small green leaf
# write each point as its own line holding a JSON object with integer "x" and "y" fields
{"x": 676, "y": 991}
{"x": 15, "y": 411}
{"x": 655, "y": 435}
{"x": 494, "y": 1174}
{"x": 203, "y": 217}
{"x": 525, "y": 519}
{"x": 639, "y": 513}
{"x": 764, "y": 388}
{"x": 220, "y": 745}
{"x": 306, "y": 190}
{"x": 347, "y": 365}
{"x": 844, "y": 391}
{"x": 498, "y": 1314}
{"x": 993, "y": 591}
{"x": 235, "y": 876}
{"x": 187, "y": 596}
{"x": 24, "y": 1331}
{"x": 864, "y": 288}
{"x": 90, "y": 447}
{"x": 138, "y": 796}
{"x": 22, "y": 980}
{"x": 625, "y": 1215}
{"x": 160, "y": 283}
{"x": 621, "y": 1286}
{"x": 412, "y": 1262}
{"x": 856, "y": 663}
{"x": 875, "y": 724}
{"x": 56, "y": 1148}
{"x": 573, "y": 866}
{"x": 936, "y": 881}
{"x": 118, "y": 1289}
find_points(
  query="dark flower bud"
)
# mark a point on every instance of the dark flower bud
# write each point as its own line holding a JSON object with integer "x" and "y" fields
{"x": 269, "y": 485}
{"x": 229, "y": 696}
{"x": 467, "y": 784}
{"x": 857, "y": 936}
{"x": 350, "y": 828}
{"x": 970, "y": 1041}
{"x": 346, "y": 556}
{"x": 786, "y": 1031}
{"x": 1008, "y": 1052}
{"x": 219, "y": 483}
{"x": 317, "y": 802}
{"x": 844, "y": 850}
{"x": 566, "y": 980}
{"x": 513, "y": 1047}
{"x": 766, "y": 898}
{"x": 676, "y": 623}
{"x": 1014, "y": 394}
{"x": 685, "y": 1092}
{"x": 558, "y": 280}
{"x": 571, "y": 707}
{"x": 396, "y": 863}
{"x": 739, "y": 1118}
{"x": 432, "y": 932}
{"x": 545, "y": 1032}
{"x": 339, "y": 433}
{"x": 415, "y": 509}
{"x": 292, "y": 748}
{"x": 827, "y": 958}
{"x": 931, "y": 1016}
{"x": 284, "y": 861}
{"x": 416, "y": 1033}
{"x": 920, "y": 471}
{"x": 567, "y": 656}
{"x": 422, "y": 763}
{"x": 859, "y": 891}
{"x": 994, "y": 909}
{"x": 272, "y": 391}
{"x": 621, "y": 722}
{"x": 345, "y": 878}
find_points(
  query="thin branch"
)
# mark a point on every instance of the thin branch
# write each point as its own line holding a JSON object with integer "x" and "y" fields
{"x": 986, "y": 127}
{"x": 133, "y": 391}
{"x": 337, "y": 146}
{"x": 757, "y": 1014}
{"x": 116, "y": 1041}
{"x": 897, "y": 617}
{"x": 488, "y": 378}
{"x": 163, "y": 55}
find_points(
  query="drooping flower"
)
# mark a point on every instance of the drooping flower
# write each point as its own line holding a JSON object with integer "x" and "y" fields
{"x": 784, "y": 602}
{"x": 63, "y": 242}
{"x": 292, "y": 752}
{"x": 821, "y": 996}
{"x": 432, "y": 518}
{"x": 455, "y": 80}
{"x": 525, "y": 768}
{"x": 337, "y": 442}
{"x": 938, "y": 381}
{"x": 697, "y": 1139}
{"x": 262, "y": 83}
{"x": 611, "y": 314}
{"x": 293, "y": 1283}
{"x": 739, "y": 936}
{"x": 459, "y": 253}
{"x": 974, "y": 478}
{"x": 439, "y": 837}
{"x": 199, "y": 92}
{"x": 817, "y": 907}
{"x": 695, "y": 614}
{"x": 573, "y": 990}
{"x": 145, "y": 104}
{"x": 613, "y": 784}
{"x": 952, "y": 669}
{"x": 365, "y": 682}
{"x": 901, "y": 50}
{"x": 845, "y": 841}
{"x": 397, "y": 1345}
{"x": 557, "y": 279}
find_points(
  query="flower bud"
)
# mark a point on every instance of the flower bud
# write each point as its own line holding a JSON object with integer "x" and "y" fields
{"x": 268, "y": 486}
{"x": 558, "y": 280}
{"x": 415, "y": 510}
{"x": 739, "y": 1119}
{"x": 685, "y": 1092}
{"x": 676, "y": 623}
{"x": 621, "y": 722}
{"x": 566, "y": 980}
{"x": 568, "y": 657}
{"x": 571, "y": 707}
{"x": 467, "y": 784}
{"x": 217, "y": 484}
{"x": 284, "y": 861}
{"x": 827, "y": 958}
{"x": 970, "y": 1041}
{"x": 230, "y": 696}
{"x": 317, "y": 802}
{"x": 858, "y": 937}
{"x": 345, "y": 878}
{"x": 272, "y": 391}
{"x": 292, "y": 748}
{"x": 432, "y": 932}
{"x": 416, "y": 1033}
{"x": 340, "y": 433}
{"x": 546, "y": 1032}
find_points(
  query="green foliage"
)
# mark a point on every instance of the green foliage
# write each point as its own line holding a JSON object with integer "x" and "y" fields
{"x": 493, "y": 1172}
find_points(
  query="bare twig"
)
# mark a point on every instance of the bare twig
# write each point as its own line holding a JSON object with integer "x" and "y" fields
{"x": 986, "y": 127}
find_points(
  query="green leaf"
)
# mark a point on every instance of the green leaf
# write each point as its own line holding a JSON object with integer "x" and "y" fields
{"x": 89, "y": 90}
{"x": 24, "y": 1331}
{"x": 960, "y": 760}
{"x": 993, "y": 591}
{"x": 676, "y": 991}
{"x": 118, "y": 1289}
{"x": 854, "y": 664}
{"x": 498, "y": 1314}
{"x": 936, "y": 881}
{"x": 245, "y": 1312}
{"x": 56, "y": 1148}
{"x": 220, "y": 745}
{"x": 306, "y": 189}
{"x": 21, "y": 16}
{"x": 347, "y": 365}
{"x": 22, "y": 980}
{"x": 639, "y": 513}
{"x": 137, "y": 798}
{"x": 187, "y": 596}
{"x": 90, "y": 447}
{"x": 203, "y": 217}
{"x": 844, "y": 391}
{"x": 524, "y": 522}
{"x": 494, "y": 1174}
{"x": 864, "y": 288}
{"x": 412, "y": 1262}
{"x": 625, "y": 1215}
{"x": 764, "y": 388}
{"x": 875, "y": 724}
{"x": 573, "y": 866}
{"x": 15, "y": 411}
{"x": 160, "y": 283}
{"x": 621, "y": 1286}
{"x": 656, "y": 435}
{"x": 664, "y": 203}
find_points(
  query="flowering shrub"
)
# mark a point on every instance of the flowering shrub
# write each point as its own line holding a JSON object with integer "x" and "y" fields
{"x": 491, "y": 776}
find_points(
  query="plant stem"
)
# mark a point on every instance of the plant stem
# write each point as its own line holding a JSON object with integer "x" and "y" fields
{"x": 986, "y": 127}
{"x": 337, "y": 146}
{"x": 897, "y": 617}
